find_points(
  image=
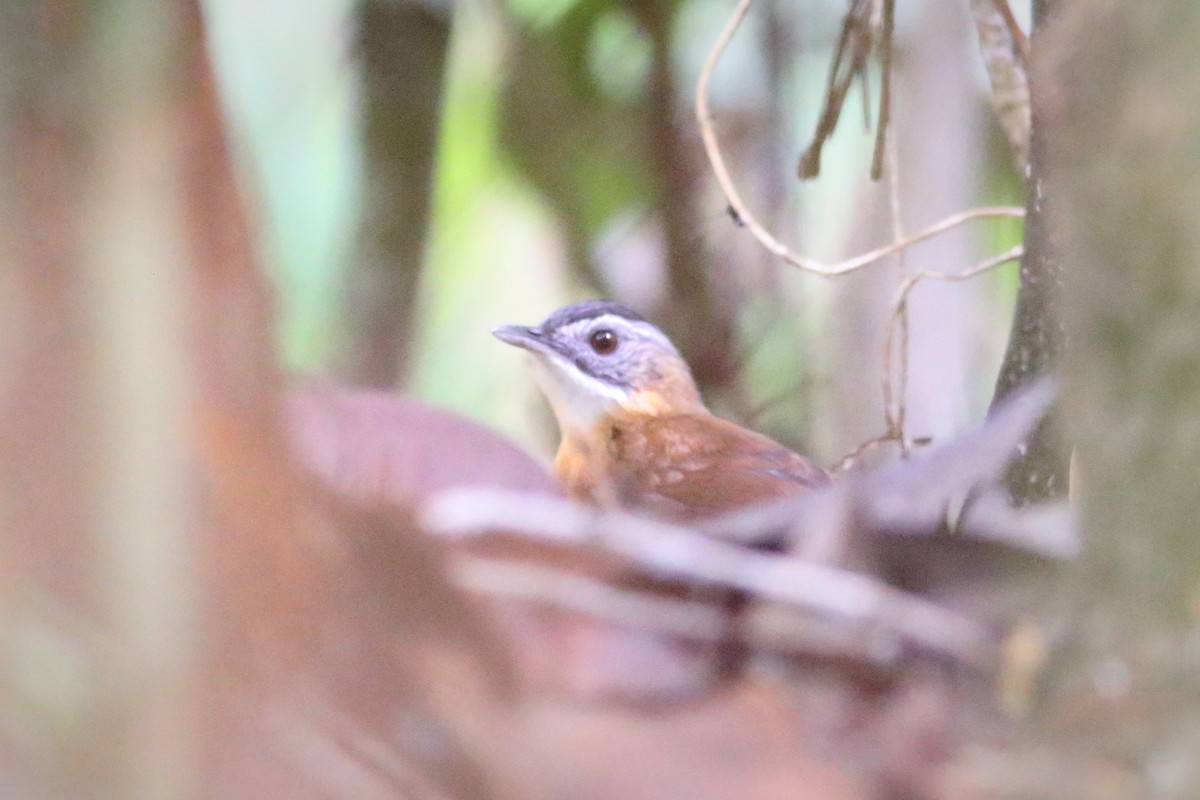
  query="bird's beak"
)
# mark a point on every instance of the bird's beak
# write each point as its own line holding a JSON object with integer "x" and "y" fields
{"x": 520, "y": 336}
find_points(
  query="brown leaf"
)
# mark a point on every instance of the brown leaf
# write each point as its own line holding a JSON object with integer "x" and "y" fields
{"x": 375, "y": 445}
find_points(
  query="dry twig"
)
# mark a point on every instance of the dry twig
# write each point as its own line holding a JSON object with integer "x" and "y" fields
{"x": 885, "y": 87}
{"x": 854, "y": 45}
{"x": 898, "y": 321}
{"x": 910, "y": 282}
{"x": 856, "y": 601}
{"x": 520, "y": 580}
{"x": 745, "y": 218}
{"x": 774, "y": 629}
{"x": 894, "y": 406}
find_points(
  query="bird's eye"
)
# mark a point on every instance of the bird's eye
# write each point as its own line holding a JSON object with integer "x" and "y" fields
{"x": 603, "y": 341}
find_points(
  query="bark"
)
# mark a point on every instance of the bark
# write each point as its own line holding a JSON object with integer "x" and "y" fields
{"x": 699, "y": 324}
{"x": 182, "y": 613}
{"x": 1038, "y": 332}
{"x": 1134, "y": 367}
{"x": 94, "y": 484}
{"x": 1122, "y": 133}
{"x": 402, "y": 46}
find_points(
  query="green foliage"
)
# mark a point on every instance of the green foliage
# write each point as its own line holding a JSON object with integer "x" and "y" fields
{"x": 571, "y": 118}
{"x": 540, "y": 13}
{"x": 619, "y": 55}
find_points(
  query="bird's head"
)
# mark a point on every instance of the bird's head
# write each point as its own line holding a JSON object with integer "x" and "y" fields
{"x": 597, "y": 358}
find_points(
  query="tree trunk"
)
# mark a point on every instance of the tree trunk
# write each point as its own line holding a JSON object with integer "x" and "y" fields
{"x": 1134, "y": 363}
{"x": 402, "y": 46}
{"x": 1122, "y": 133}
{"x": 100, "y": 614}
{"x": 694, "y": 318}
{"x": 1038, "y": 333}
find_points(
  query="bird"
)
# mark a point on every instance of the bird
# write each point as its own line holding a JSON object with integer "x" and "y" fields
{"x": 635, "y": 432}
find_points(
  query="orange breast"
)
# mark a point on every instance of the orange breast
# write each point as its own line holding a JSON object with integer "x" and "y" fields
{"x": 577, "y": 470}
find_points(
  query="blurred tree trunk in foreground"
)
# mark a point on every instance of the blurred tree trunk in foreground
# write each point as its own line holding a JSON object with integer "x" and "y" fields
{"x": 1122, "y": 110}
{"x": 1038, "y": 332}
{"x": 99, "y": 611}
{"x": 402, "y": 46}
{"x": 1134, "y": 201}
{"x": 182, "y": 615}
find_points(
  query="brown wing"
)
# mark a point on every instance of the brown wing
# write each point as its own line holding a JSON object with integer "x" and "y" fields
{"x": 696, "y": 465}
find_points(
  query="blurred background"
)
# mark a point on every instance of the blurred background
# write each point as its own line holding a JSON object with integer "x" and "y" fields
{"x": 207, "y": 203}
{"x": 427, "y": 170}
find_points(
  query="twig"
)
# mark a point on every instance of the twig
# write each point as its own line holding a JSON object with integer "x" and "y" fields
{"x": 885, "y": 87}
{"x": 895, "y": 402}
{"x": 848, "y": 461}
{"x": 765, "y": 628}
{"x": 747, "y": 219}
{"x": 911, "y": 281}
{"x": 897, "y": 319}
{"x": 546, "y": 585}
{"x": 895, "y": 406}
{"x": 856, "y": 600}
{"x": 856, "y": 38}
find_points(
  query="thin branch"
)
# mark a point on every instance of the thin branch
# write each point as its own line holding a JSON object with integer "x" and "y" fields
{"x": 885, "y": 87}
{"x": 856, "y": 600}
{"x": 770, "y": 628}
{"x": 854, "y": 39}
{"x": 952, "y": 221}
{"x": 897, "y": 319}
{"x": 895, "y": 408}
{"x": 519, "y": 580}
{"x": 746, "y": 218}
{"x": 911, "y": 281}
{"x": 850, "y": 460}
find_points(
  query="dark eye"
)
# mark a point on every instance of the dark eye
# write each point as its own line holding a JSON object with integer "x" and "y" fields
{"x": 603, "y": 341}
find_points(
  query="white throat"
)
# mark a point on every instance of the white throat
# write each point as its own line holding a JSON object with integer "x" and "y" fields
{"x": 578, "y": 400}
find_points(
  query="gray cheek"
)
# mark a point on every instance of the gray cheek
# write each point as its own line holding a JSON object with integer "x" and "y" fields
{"x": 632, "y": 363}
{"x": 611, "y": 370}
{"x": 618, "y": 369}
{"x": 589, "y": 366}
